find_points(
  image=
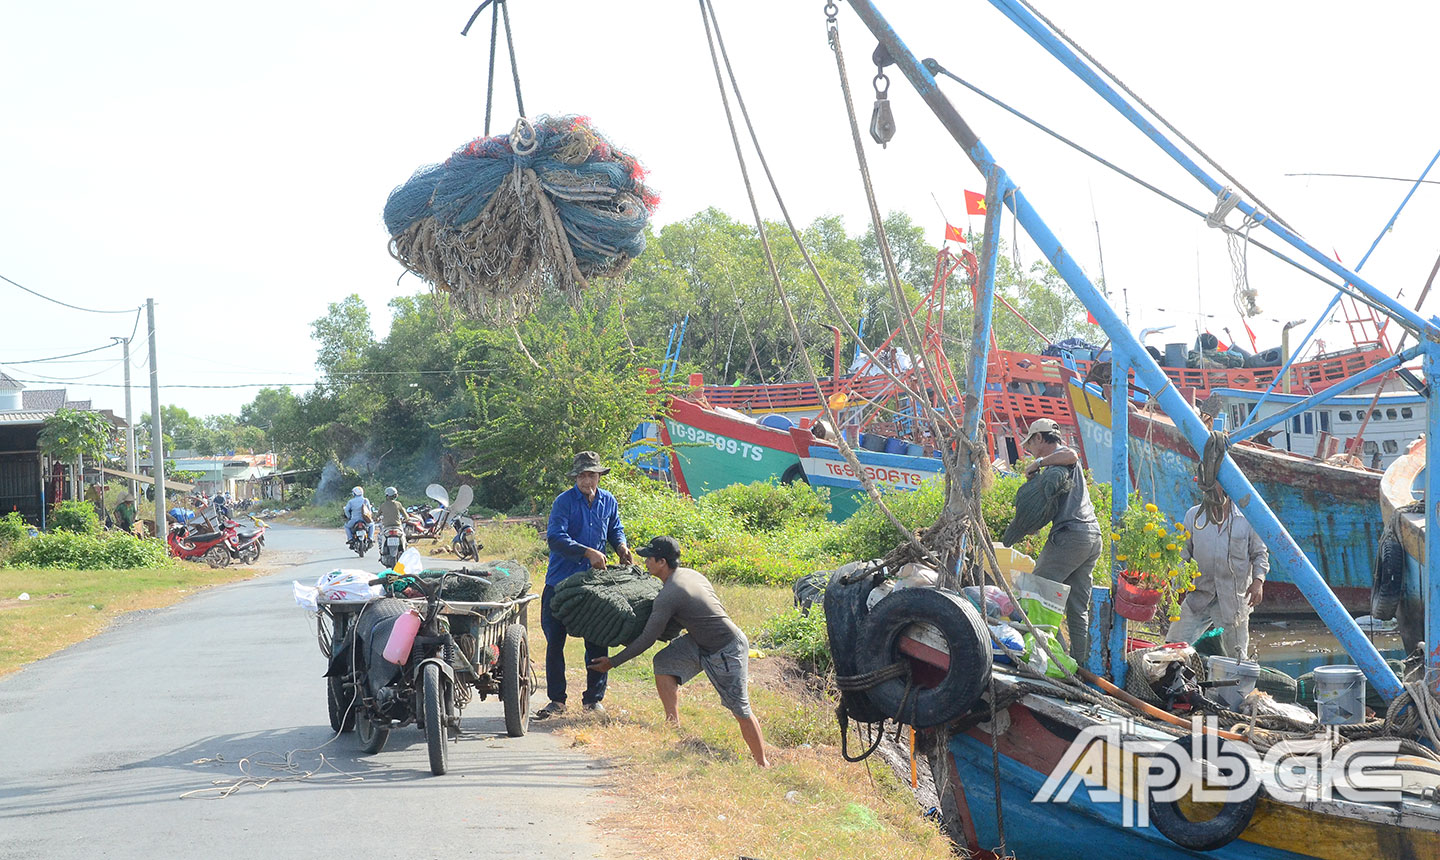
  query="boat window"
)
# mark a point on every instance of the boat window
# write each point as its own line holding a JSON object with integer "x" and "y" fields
{"x": 1375, "y": 415}
{"x": 1344, "y": 415}
{"x": 1371, "y": 448}
{"x": 1391, "y": 446}
{"x": 1407, "y": 412}
{"x": 1390, "y": 413}
{"x": 1324, "y": 421}
{"x": 1309, "y": 423}
{"x": 1295, "y": 424}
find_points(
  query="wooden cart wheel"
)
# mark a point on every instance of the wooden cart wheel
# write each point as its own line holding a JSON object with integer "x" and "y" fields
{"x": 516, "y": 680}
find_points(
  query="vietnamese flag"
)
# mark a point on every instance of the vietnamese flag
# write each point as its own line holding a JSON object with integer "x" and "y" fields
{"x": 953, "y": 234}
{"x": 1249, "y": 332}
{"x": 974, "y": 203}
{"x": 1090, "y": 318}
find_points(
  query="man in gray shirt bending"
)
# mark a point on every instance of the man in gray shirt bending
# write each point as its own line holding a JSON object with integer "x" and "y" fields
{"x": 711, "y": 642}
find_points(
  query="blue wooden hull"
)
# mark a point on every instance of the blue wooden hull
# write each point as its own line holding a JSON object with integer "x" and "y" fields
{"x": 1332, "y": 512}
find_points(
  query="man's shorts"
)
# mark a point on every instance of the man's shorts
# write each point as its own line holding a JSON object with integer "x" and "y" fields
{"x": 728, "y": 669}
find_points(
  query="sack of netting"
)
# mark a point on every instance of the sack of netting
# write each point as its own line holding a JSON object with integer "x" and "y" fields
{"x": 549, "y": 205}
{"x": 808, "y": 590}
{"x": 506, "y": 579}
{"x": 608, "y": 606}
{"x": 1036, "y": 503}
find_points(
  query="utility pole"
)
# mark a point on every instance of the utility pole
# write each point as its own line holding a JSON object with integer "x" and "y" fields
{"x": 131, "y": 461}
{"x": 157, "y": 441}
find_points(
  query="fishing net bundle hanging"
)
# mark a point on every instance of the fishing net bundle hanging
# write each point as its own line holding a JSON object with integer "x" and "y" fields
{"x": 547, "y": 206}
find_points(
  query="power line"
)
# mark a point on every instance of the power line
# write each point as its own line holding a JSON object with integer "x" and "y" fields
{"x": 1368, "y": 176}
{"x": 44, "y": 378}
{"x": 66, "y": 304}
{"x": 58, "y": 357}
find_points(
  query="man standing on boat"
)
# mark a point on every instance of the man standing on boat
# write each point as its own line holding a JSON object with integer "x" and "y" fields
{"x": 582, "y": 520}
{"x": 1233, "y": 562}
{"x": 1074, "y": 544}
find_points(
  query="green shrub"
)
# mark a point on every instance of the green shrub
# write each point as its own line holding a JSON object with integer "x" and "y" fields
{"x": 768, "y": 505}
{"x": 75, "y": 515}
{"x": 72, "y": 551}
{"x": 13, "y": 529}
{"x": 801, "y": 636}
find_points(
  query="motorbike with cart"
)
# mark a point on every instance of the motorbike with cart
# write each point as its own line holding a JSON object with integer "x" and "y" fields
{"x": 443, "y": 653}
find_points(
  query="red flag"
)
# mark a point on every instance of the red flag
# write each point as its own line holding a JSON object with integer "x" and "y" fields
{"x": 953, "y": 234}
{"x": 1253, "y": 347}
{"x": 974, "y": 203}
{"x": 1219, "y": 344}
{"x": 1090, "y": 318}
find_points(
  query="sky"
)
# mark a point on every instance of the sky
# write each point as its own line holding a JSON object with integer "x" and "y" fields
{"x": 231, "y": 162}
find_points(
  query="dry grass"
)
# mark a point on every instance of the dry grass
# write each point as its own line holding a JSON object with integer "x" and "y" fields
{"x": 693, "y": 791}
{"x": 69, "y": 606}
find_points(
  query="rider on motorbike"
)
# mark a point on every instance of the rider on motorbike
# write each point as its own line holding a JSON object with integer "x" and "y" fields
{"x": 392, "y": 513}
{"x": 355, "y": 514}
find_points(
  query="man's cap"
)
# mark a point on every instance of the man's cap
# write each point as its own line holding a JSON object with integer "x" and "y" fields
{"x": 587, "y": 461}
{"x": 661, "y": 547}
{"x": 1041, "y": 425}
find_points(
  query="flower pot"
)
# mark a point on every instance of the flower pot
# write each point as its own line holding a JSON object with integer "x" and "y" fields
{"x": 1134, "y": 602}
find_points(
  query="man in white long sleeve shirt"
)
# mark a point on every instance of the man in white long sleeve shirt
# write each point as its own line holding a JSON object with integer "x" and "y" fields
{"x": 1233, "y": 562}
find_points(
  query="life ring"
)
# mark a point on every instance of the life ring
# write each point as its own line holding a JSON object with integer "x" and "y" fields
{"x": 922, "y": 702}
{"x": 1389, "y": 577}
{"x": 845, "y": 614}
{"x": 1217, "y": 832}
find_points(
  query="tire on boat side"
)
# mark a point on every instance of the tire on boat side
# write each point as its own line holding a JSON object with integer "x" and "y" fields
{"x": 1210, "y": 834}
{"x": 845, "y": 614}
{"x": 1389, "y": 577}
{"x": 966, "y": 637}
{"x": 793, "y": 474}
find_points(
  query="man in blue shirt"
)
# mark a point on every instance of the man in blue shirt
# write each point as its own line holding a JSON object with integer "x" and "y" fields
{"x": 355, "y": 514}
{"x": 582, "y": 519}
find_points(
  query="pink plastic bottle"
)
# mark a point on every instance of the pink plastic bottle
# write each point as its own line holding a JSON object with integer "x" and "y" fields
{"x": 402, "y": 637}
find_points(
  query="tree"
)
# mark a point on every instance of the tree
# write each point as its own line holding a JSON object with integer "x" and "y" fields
{"x": 580, "y": 387}
{"x": 71, "y": 435}
{"x": 344, "y": 335}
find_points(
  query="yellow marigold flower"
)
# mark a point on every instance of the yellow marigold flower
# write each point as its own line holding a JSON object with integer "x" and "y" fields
{"x": 1114, "y": 536}
{"x": 1151, "y": 508}
{"x": 1180, "y": 526}
{"x": 1149, "y": 527}
{"x": 1162, "y": 533}
{"x": 1154, "y": 555}
{"x": 1171, "y": 546}
{"x": 1174, "y": 618}
{"x": 1121, "y": 557}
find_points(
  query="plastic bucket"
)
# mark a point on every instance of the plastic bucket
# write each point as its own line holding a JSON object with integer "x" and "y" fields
{"x": 1243, "y": 672}
{"x": 872, "y": 442}
{"x": 894, "y": 446}
{"x": 1340, "y": 694}
{"x": 915, "y": 450}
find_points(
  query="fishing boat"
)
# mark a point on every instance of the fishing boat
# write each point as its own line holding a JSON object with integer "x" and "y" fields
{"x": 1405, "y": 517}
{"x": 1376, "y": 429}
{"x": 1044, "y": 766}
{"x": 1330, "y": 509}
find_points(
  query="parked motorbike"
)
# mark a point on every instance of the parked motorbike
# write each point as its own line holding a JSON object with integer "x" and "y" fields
{"x": 396, "y": 668}
{"x": 249, "y": 540}
{"x": 215, "y": 548}
{"x": 422, "y": 521}
{"x": 465, "y": 546}
{"x": 392, "y": 543}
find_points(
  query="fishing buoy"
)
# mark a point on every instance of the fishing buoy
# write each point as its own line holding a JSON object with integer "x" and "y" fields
{"x": 402, "y": 638}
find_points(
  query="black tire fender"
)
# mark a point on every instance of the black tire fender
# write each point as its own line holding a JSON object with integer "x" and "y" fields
{"x": 1217, "y": 832}
{"x": 967, "y": 638}
{"x": 793, "y": 474}
{"x": 845, "y": 614}
{"x": 1389, "y": 577}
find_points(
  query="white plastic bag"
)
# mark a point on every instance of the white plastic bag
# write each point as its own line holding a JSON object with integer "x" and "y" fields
{"x": 348, "y": 585}
{"x": 305, "y": 596}
{"x": 410, "y": 561}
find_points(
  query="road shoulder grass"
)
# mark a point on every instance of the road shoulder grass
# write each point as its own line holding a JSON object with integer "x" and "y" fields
{"x": 70, "y": 606}
{"x": 693, "y": 791}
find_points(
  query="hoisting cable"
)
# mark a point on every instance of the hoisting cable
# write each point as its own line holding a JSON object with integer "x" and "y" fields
{"x": 1163, "y": 121}
{"x": 498, "y": 9}
{"x": 934, "y": 67}
{"x": 707, "y": 14}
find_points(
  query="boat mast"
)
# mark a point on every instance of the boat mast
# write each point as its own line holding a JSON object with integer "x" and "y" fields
{"x": 1127, "y": 351}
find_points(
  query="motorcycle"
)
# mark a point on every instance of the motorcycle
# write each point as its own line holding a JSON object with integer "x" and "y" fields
{"x": 392, "y": 543}
{"x": 360, "y": 542}
{"x": 249, "y": 540}
{"x": 392, "y": 670}
{"x": 422, "y": 521}
{"x": 464, "y": 545}
{"x": 215, "y": 548}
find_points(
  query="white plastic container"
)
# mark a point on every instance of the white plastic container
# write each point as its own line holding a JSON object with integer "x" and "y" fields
{"x": 1244, "y": 672}
{"x": 1340, "y": 694}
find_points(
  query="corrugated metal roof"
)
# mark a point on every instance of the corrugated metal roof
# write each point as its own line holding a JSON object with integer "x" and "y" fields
{"x": 24, "y": 416}
{"x": 8, "y": 384}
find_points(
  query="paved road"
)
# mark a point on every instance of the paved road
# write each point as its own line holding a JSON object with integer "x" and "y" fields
{"x": 99, "y": 742}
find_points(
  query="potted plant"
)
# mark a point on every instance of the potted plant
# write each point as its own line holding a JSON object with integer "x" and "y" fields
{"x": 1152, "y": 575}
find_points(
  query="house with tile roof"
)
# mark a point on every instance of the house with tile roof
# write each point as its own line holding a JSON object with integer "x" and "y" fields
{"x": 28, "y": 482}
